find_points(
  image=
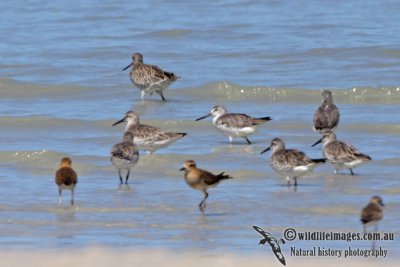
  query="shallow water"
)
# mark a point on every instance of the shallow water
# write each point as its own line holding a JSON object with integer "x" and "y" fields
{"x": 62, "y": 88}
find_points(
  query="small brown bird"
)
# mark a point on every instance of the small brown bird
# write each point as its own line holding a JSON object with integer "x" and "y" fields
{"x": 201, "y": 180}
{"x": 66, "y": 178}
{"x": 372, "y": 213}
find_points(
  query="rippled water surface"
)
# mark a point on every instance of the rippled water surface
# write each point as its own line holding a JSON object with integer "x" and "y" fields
{"x": 62, "y": 87}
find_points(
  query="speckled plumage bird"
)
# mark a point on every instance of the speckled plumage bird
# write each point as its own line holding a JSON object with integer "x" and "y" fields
{"x": 234, "y": 125}
{"x": 340, "y": 154}
{"x": 327, "y": 115}
{"x": 125, "y": 155}
{"x": 146, "y": 137}
{"x": 290, "y": 163}
{"x": 149, "y": 78}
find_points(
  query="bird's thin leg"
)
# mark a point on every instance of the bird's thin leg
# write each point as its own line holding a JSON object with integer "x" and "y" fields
{"x": 351, "y": 171}
{"x": 127, "y": 177}
{"x": 230, "y": 139}
{"x": 72, "y": 197}
{"x": 336, "y": 171}
{"x": 59, "y": 197}
{"x": 288, "y": 181}
{"x": 248, "y": 141}
{"x": 295, "y": 181}
{"x": 202, "y": 204}
{"x": 120, "y": 177}
{"x": 162, "y": 95}
{"x": 143, "y": 93}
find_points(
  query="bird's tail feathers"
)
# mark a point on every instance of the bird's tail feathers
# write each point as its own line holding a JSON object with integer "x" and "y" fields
{"x": 261, "y": 120}
{"x": 223, "y": 176}
{"x": 363, "y": 156}
{"x": 319, "y": 160}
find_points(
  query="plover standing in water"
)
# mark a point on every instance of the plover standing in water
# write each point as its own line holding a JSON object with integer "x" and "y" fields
{"x": 234, "y": 125}
{"x": 372, "y": 213}
{"x": 125, "y": 155}
{"x": 146, "y": 137}
{"x": 340, "y": 154}
{"x": 201, "y": 180}
{"x": 290, "y": 163}
{"x": 149, "y": 78}
{"x": 66, "y": 178}
{"x": 327, "y": 115}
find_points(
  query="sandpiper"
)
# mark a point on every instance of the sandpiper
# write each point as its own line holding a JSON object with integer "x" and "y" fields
{"x": 125, "y": 155}
{"x": 149, "y": 78}
{"x": 372, "y": 213}
{"x": 327, "y": 115}
{"x": 340, "y": 154}
{"x": 66, "y": 178}
{"x": 234, "y": 125}
{"x": 201, "y": 180}
{"x": 290, "y": 163}
{"x": 146, "y": 137}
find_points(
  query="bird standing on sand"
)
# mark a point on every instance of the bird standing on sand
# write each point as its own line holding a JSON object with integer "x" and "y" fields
{"x": 340, "y": 154}
{"x": 290, "y": 163}
{"x": 327, "y": 115}
{"x": 125, "y": 155}
{"x": 201, "y": 180}
{"x": 372, "y": 213}
{"x": 66, "y": 178}
{"x": 146, "y": 137}
{"x": 149, "y": 78}
{"x": 234, "y": 125}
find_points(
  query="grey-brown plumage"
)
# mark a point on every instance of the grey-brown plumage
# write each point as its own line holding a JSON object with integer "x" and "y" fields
{"x": 234, "y": 125}
{"x": 201, "y": 180}
{"x": 327, "y": 115}
{"x": 146, "y": 137}
{"x": 125, "y": 155}
{"x": 340, "y": 154}
{"x": 149, "y": 78}
{"x": 66, "y": 178}
{"x": 373, "y": 212}
{"x": 290, "y": 163}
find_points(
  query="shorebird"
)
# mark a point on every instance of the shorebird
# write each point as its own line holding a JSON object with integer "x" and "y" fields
{"x": 327, "y": 115}
{"x": 340, "y": 154}
{"x": 201, "y": 180}
{"x": 149, "y": 78}
{"x": 146, "y": 137}
{"x": 124, "y": 155}
{"x": 372, "y": 213}
{"x": 66, "y": 178}
{"x": 290, "y": 163}
{"x": 234, "y": 125}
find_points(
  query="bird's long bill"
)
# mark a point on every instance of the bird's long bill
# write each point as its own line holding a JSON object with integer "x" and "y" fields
{"x": 120, "y": 121}
{"x": 265, "y": 150}
{"x": 127, "y": 67}
{"x": 182, "y": 169}
{"x": 316, "y": 143}
{"x": 205, "y": 116}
